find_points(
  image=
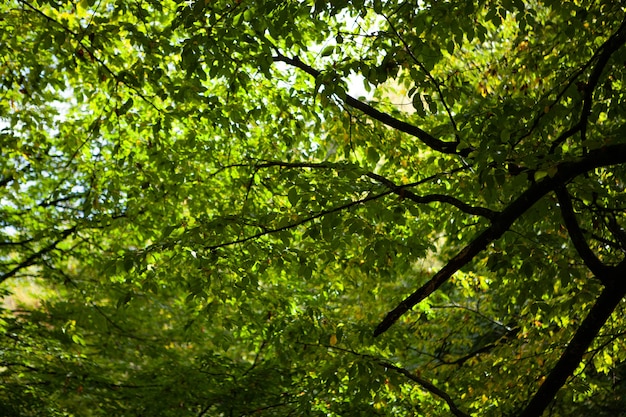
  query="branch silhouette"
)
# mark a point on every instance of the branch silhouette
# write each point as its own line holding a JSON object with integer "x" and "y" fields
{"x": 385, "y": 118}
{"x": 566, "y": 171}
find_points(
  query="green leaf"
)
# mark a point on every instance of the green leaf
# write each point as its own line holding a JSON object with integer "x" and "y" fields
{"x": 294, "y": 196}
{"x": 328, "y": 50}
{"x": 372, "y": 155}
{"x": 188, "y": 228}
{"x": 126, "y": 106}
{"x": 418, "y": 104}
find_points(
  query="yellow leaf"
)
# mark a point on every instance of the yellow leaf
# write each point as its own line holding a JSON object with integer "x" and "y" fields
{"x": 333, "y": 339}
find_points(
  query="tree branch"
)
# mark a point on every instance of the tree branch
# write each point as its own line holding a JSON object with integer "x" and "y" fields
{"x": 610, "y": 155}
{"x": 6, "y": 180}
{"x": 617, "y": 231}
{"x": 299, "y": 222}
{"x": 427, "y": 385}
{"x": 432, "y": 79}
{"x": 564, "y": 136}
{"x": 603, "y": 240}
{"x": 429, "y": 140}
{"x": 510, "y": 333}
{"x": 431, "y": 198}
{"x": 603, "y": 55}
{"x": 569, "y": 218}
{"x": 602, "y": 309}
{"x": 35, "y": 256}
{"x": 400, "y": 190}
{"x": 615, "y": 42}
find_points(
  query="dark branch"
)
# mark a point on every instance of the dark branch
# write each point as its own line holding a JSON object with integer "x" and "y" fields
{"x": 572, "y": 356}
{"x": 504, "y": 333}
{"x": 603, "y": 240}
{"x": 431, "y": 198}
{"x": 617, "y": 231}
{"x": 615, "y": 42}
{"x": 32, "y": 259}
{"x": 564, "y": 136}
{"x": 18, "y": 243}
{"x": 429, "y": 140}
{"x": 432, "y": 79}
{"x": 609, "y": 155}
{"x": 603, "y": 55}
{"x": 300, "y": 222}
{"x": 569, "y": 218}
{"x": 461, "y": 259}
{"x": 6, "y": 180}
{"x": 510, "y": 333}
{"x": 428, "y": 386}
{"x": 400, "y": 190}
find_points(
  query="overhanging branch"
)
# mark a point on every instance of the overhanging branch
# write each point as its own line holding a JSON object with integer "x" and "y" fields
{"x": 431, "y": 198}
{"x": 401, "y": 190}
{"x": 32, "y": 259}
{"x": 426, "y": 385}
{"x": 569, "y": 218}
{"x": 300, "y": 222}
{"x": 602, "y": 55}
{"x": 609, "y": 155}
{"x": 432, "y": 79}
{"x": 617, "y": 231}
{"x": 615, "y": 42}
{"x": 572, "y": 356}
{"x": 429, "y": 140}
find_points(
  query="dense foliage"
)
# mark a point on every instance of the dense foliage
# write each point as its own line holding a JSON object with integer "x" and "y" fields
{"x": 291, "y": 208}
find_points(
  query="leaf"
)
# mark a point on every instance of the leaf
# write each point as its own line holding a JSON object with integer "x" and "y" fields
{"x": 124, "y": 300}
{"x": 328, "y": 50}
{"x": 126, "y": 106}
{"x": 372, "y": 155}
{"x": 540, "y": 174}
{"x": 193, "y": 206}
{"x": 418, "y": 104}
{"x": 432, "y": 104}
{"x": 294, "y": 196}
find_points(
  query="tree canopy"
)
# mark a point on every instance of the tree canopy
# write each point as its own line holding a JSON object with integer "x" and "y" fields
{"x": 294, "y": 208}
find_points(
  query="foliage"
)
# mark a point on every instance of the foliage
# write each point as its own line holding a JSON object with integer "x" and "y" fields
{"x": 204, "y": 213}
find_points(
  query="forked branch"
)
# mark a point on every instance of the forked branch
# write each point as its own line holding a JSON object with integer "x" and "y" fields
{"x": 610, "y": 155}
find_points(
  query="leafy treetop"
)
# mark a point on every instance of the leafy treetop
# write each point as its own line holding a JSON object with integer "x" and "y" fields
{"x": 312, "y": 208}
